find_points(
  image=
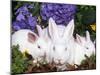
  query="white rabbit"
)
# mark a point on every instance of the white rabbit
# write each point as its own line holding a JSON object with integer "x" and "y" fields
{"x": 62, "y": 42}
{"x": 28, "y": 40}
{"x": 45, "y": 36}
{"x": 84, "y": 46}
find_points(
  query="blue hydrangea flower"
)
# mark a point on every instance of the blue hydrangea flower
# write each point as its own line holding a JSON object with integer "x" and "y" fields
{"x": 25, "y": 9}
{"x": 20, "y": 17}
{"x": 32, "y": 20}
{"x": 28, "y": 23}
{"x": 24, "y": 18}
{"x": 16, "y": 25}
{"x": 61, "y": 13}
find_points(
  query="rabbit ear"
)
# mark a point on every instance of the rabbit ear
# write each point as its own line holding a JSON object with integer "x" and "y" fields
{"x": 39, "y": 29}
{"x": 32, "y": 37}
{"x": 87, "y": 36}
{"x": 69, "y": 29}
{"x": 78, "y": 39}
{"x": 53, "y": 31}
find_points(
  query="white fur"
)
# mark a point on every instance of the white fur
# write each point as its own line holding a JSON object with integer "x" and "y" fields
{"x": 62, "y": 38}
{"x": 36, "y": 48}
{"x": 84, "y": 46}
{"x": 62, "y": 42}
{"x": 48, "y": 42}
{"x": 56, "y": 42}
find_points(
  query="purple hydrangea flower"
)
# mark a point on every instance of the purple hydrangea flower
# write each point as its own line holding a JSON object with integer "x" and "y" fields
{"x": 28, "y": 23}
{"x": 61, "y": 13}
{"x": 20, "y": 17}
{"x": 32, "y": 21}
{"x": 16, "y": 25}
{"x": 24, "y": 18}
{"x": 30, "y": 6}
{"x": 25, "y": 9}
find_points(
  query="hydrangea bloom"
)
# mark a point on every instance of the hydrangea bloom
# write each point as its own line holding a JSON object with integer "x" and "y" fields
{"x": 61, "y": 13}
{"x": 24, "y": 18}
{"x": 28, "y": 23}
{"x": 20, "y": 17}
{"x": 25, "y": 9}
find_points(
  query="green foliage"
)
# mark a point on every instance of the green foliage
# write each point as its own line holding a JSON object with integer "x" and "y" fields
{"x": 22, "y": 64}
{"x": 88, "y": 63}
{"x": 91, "y": 59}
{"x": 19, "y": 63}
{"x": 85, "y": 16}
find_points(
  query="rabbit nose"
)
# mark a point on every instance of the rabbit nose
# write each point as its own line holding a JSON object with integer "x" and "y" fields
{"x": 44, "y": 53}
{"x": 59, "y": 61}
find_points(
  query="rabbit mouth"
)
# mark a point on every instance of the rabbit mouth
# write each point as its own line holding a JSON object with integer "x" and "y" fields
{"x": 42, "y": 57}
{"x": 60, "y": 64}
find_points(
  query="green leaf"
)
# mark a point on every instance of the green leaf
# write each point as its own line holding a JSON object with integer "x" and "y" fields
{"x": 89, "y": 17}
{"x": 19, "y": 63}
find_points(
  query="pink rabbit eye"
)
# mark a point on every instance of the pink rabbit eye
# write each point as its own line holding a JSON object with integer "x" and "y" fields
{"x": 53, "y": 48}
{"x": 87, "y": 48}
{"x": 65, "y": 49}
{"x": 39, "y": 46}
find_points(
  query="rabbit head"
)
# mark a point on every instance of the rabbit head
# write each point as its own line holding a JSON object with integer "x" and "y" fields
{"x": 43, "y": 40}
{"x": 59, "y": 49}
{"x": 30, "y": 41}
{"x": 86, "y": 43}
{"x": 23, "y": 38}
